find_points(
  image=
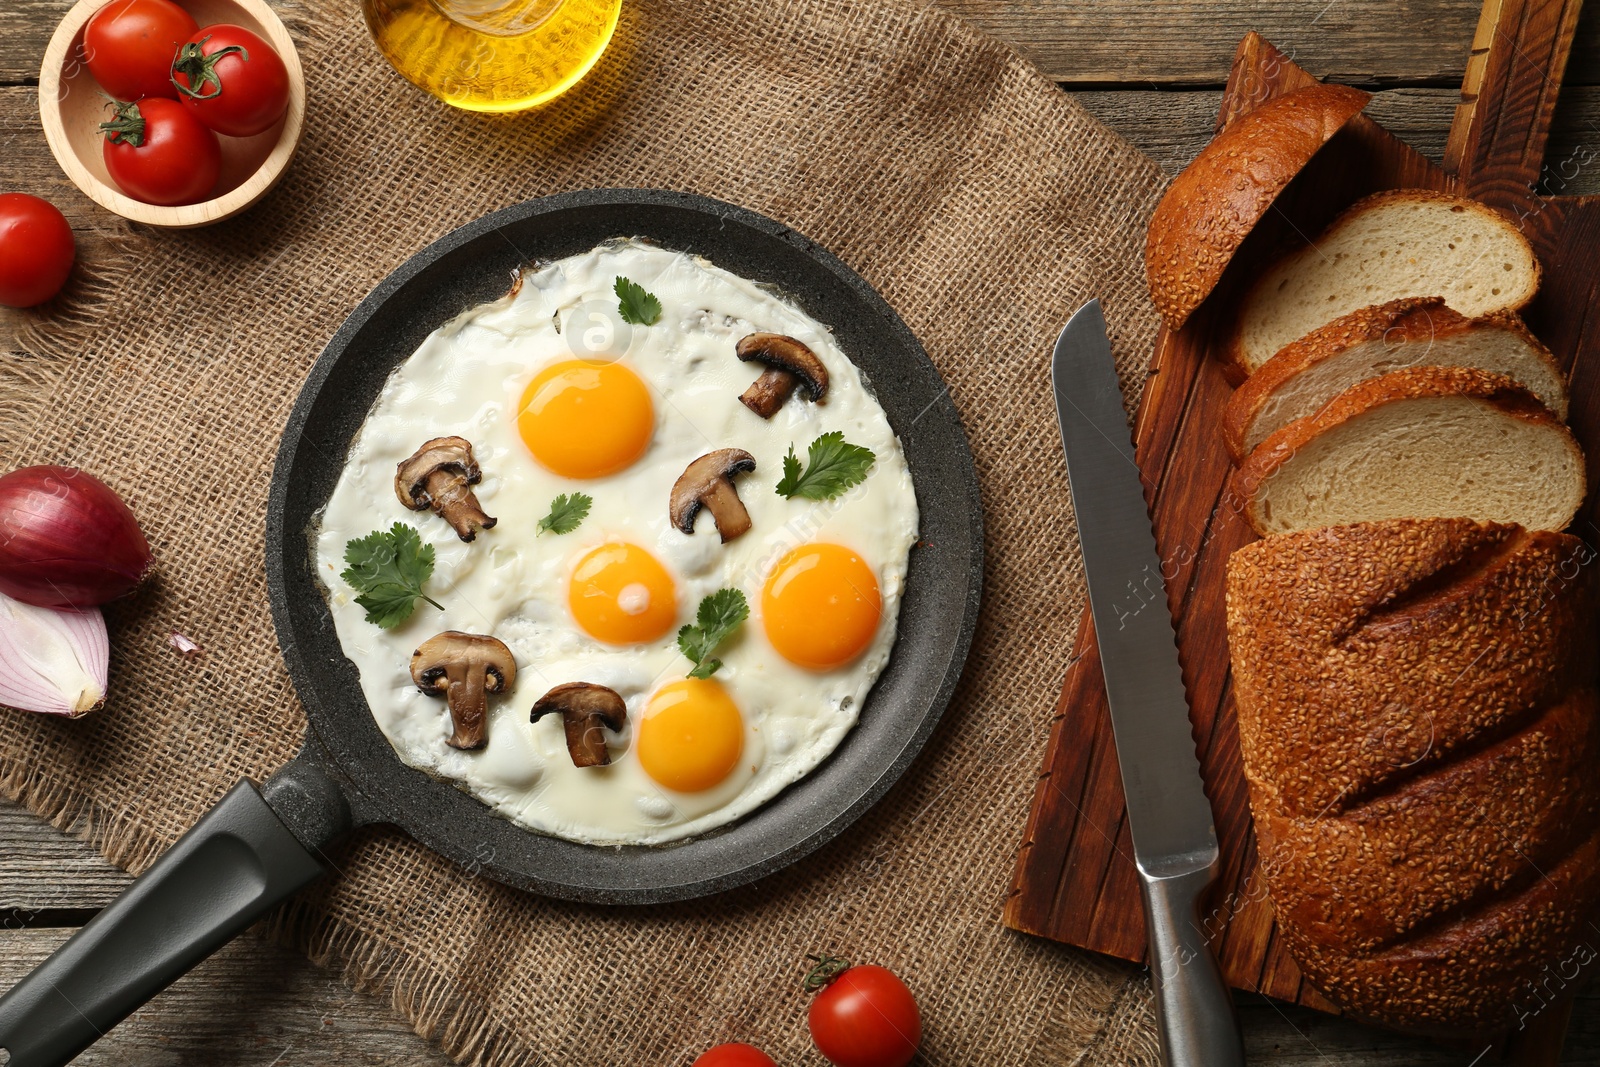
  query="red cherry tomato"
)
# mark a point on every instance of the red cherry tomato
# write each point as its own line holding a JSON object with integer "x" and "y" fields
{"x": 36, "y": 250}
{"x": 231, "y": 80}
{"x": 159, "y": 153}
{"x": 866, "y": 1017}
{"x": 130, "y": 44}
{"x": 734, "y": 1055}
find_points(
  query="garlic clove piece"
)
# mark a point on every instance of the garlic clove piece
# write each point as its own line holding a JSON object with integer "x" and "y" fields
{"x": 52, "y": 661}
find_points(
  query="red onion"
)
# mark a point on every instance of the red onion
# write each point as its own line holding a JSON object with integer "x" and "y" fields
{"x": 67, "y": 540}
{"x": 52, "y": 661}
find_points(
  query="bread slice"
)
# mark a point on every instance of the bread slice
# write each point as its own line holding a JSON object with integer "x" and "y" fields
{"x": 1404, "y": 242}
{"x": 1411, "y": 332}
{"x": 1421, "y": 443}
{"x": 1216, "y": 200}
{"x": 1419, "y": 726}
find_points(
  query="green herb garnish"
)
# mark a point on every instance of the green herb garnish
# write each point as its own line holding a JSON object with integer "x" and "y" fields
{"x": 567, "y": 512}
{"x": 832, "y": 466}
{"x": 387, "y": 568}
{"x": 635, "y": 305}
{"x": 719, "y": 615}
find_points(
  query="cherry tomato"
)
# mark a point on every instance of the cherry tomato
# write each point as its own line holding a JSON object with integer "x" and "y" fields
{"x": 231, "y": 80}
{"x": 130, "y": 44}
{"x": 36, "y": 250}
{"x": 734, "y": 1055}
{"x": 866, "y": 1017}
{"x": 159, "y": 153}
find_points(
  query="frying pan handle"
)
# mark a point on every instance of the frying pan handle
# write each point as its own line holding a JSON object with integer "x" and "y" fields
{"x": 237, "y": 862}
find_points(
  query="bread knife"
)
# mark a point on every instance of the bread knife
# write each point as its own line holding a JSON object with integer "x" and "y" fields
{"x": 1169, "y": 817}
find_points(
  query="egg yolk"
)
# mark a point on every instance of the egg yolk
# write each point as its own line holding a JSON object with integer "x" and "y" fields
{"x": 622, "y": 595}
{"x": 820, "y": 606}
{"x": 585, "y": 419}
{"x": 690, "y": 735}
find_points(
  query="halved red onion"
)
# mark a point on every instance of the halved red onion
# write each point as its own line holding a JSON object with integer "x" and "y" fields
{"x": 67, "y": 540}
{"x": 52, "y": 661}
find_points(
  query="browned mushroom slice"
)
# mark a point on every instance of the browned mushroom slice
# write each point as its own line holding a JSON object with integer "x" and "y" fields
{"x": 464, "y": 669}
{"x": 708, "y": 483}
{"x": 584, "y": 709}
{"x": 439, "y": 475}
{"x": 789, "y": 364}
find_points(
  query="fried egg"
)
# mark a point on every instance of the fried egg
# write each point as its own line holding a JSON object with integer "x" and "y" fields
{"x": 558, "y": 395}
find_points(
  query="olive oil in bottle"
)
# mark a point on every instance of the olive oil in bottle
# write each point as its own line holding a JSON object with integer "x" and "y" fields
{"x": 492, "y": 55}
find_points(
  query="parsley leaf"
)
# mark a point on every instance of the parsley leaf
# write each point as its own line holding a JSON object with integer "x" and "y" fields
{"x": 832, "y": 466}
{"x": 719, "y": 615}
{"x": 790, "y": 482}
{"x": 566, "y": 513}
{"x": 635, "y": 305}
{"x": 387, "y": 568}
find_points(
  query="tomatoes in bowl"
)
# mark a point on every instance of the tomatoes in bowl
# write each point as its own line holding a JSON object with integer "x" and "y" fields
{"x": 159, "y": 153}
{"x": 36, "y": 250}
{"x": 231, "y": 80}
{"x": 129, "y": 46}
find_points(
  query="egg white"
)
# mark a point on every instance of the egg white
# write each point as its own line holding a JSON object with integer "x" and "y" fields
{"x": 466, "y": 379}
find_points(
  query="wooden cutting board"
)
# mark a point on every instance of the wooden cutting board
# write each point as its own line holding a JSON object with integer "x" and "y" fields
{"x": 1075, "y": 880}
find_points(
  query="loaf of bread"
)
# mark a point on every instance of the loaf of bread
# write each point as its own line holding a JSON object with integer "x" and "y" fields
{"x": 1217, "y": 200}
{"x": 1373, "y": 341}
{"x": 1405, "y": 242}
{"x": 1429, "y": 442}
{"x": 1420, "y": 727}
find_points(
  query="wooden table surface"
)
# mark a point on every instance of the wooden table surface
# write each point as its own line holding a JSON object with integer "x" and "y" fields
{"x": 1152, "y": 70}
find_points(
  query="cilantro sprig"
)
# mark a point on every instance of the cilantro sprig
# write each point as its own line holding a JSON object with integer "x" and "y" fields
{"x": 832, "y": 466}
{"x": 387, "y": 569}
{"x": 719, "y": 615}
{"x": 567, "y": 512}
{"x": 637, "y": 307}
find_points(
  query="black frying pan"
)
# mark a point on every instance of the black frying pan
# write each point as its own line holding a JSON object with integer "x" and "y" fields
{"x": 257, "y": 847}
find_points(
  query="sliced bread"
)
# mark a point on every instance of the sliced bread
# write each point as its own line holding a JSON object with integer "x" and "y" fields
{"x": 1429, "y": 442}
{"x": 1412, "y": 332}
{"x": 1216, "y": 200}
{"x": 1404, "y": 242}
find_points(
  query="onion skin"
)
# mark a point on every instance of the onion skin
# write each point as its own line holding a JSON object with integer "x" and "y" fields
{"x": 67, "y": 540}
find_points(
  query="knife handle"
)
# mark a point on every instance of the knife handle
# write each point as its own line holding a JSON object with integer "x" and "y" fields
{"x": 1194, "y": 1011}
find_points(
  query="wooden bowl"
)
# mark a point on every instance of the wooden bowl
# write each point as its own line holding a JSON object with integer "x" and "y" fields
{"x": 72, "y": 105}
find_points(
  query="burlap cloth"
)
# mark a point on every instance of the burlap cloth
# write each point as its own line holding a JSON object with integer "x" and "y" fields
{"x": 981, "y": 201}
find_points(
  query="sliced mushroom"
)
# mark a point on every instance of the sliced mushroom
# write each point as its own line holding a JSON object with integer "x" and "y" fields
{"x": 584, "y": 708}
{"x": 708, "y": 483}
{"x": 789, "y": 364}
{"x": 465, "y": 669}
{"x": 439, "y": 476}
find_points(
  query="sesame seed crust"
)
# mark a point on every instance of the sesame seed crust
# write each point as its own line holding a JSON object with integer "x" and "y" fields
{"x": 1218, "y": 198}
{"x": 1419, "y": 720}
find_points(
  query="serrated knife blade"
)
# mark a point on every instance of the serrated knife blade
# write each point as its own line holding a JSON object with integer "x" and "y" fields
{"x": 1169, "y": 817}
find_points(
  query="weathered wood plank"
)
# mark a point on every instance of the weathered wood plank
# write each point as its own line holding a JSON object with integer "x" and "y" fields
{"x": 1172, "y": 43}
{"x": 1191, "y": 42}
{"x": 42, "y": 868}
{"x": 25, "y": 29}
{"x": 1286, "y": 1035}
{"x": 253, "y": 1003}
{"x": 1172, "y": 127}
